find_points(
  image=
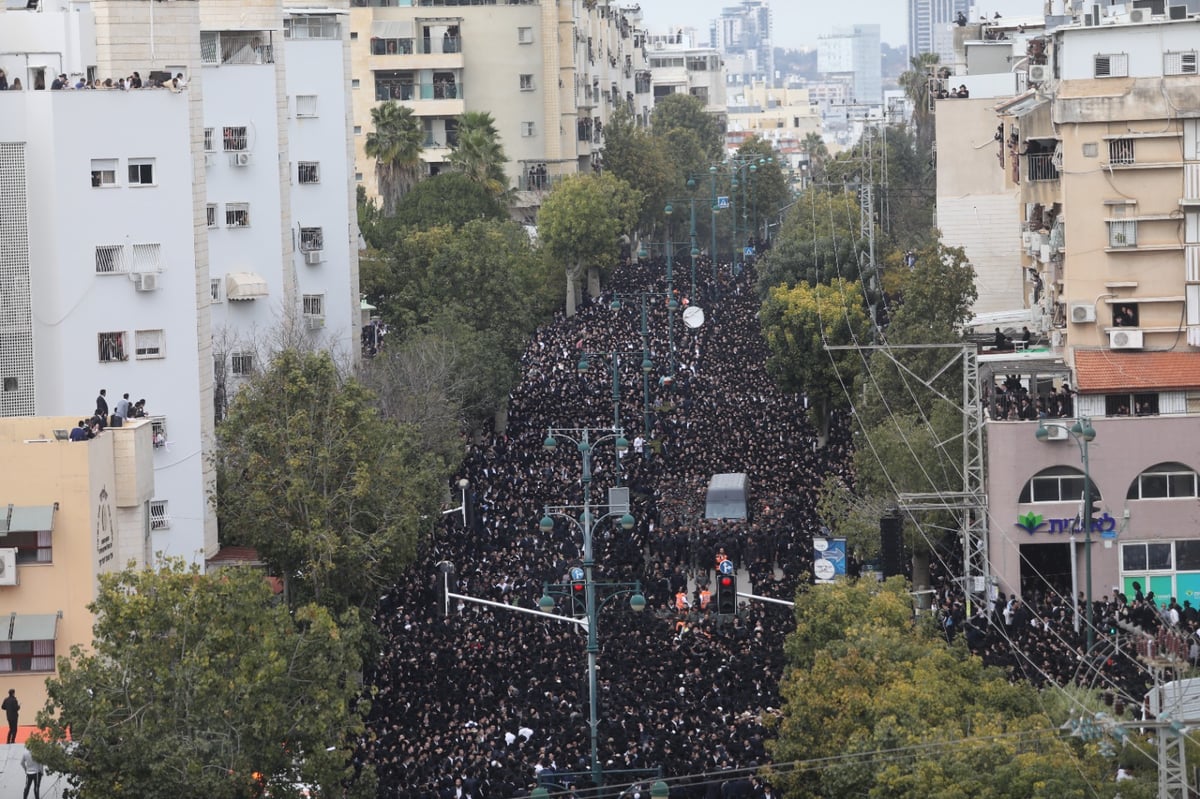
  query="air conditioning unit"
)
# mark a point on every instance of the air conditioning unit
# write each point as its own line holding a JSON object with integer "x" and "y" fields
{"x": 145, "y": 281}
{"x": 312, "y": 257}
{"x": 8, "y": 566}
{"x": 314, "y": 322}
{"x": 210, "y": 159}
{"x": 1125, "y": 339}
{"x": 1082, "y": 312}
{"x": 240, "y": 159}
{"x": 1139, "y": 15}
{"x": 1039, "y": 73}
{"x": 1056, "y": 433}
{"x": 1027, "y": 239}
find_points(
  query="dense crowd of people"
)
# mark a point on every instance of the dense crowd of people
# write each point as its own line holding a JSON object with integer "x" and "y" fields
{"x": 485, "y": 702}
{"x": 476, "y": 701}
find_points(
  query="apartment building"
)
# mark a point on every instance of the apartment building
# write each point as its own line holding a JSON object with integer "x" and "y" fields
{"x": 680, "y": 64}
{"x": 929, "y": 22}
{"x": 178, "y": 235}
{"x": 851, "y": 53}
{"x": 73, "y": 510}
{"x": 550, "y": 74}
{"x": 742, "y": 34}
{"x": 1104, "y": 148}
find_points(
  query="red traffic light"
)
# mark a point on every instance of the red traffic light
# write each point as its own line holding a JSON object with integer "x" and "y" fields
{"x": 576, "y": 586}
{"x": 726, "y": 581}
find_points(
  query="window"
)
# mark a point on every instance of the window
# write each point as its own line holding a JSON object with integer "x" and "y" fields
{"x": 21, "y": 656}
{"x": 524, "y": 35}
{"x": 355, "y": 83}
{"x": 10, "y": 384}
{"x": 1146, "y": 557}
{"x": 147, "y": 257}
{"x": 311, "y": 27}
{"x": 210, "y": 48}
{"x": 527, "y": 83}
{"x": 237, "y": 214}
{"x": 1122, "y": 233}
{"x": 210, "y": 212}
{"x": 358, "y": 130}
{"x": 241, "y": 364}
{"x": 354, "y": 36}
{"x": 1165, "y": 481}
{"x": 1131, "y": 404}
{"x": 112, "y": 347}
{"x": 110, "y": 259}
{"x": 158, "y": 427}
{"x": 214, "y": 290}
{"x": 235, "y": 139}
{"x": 148, "y": 344}
{"x": 104, "y": 172}
{"x": 309, "y": 172}
{"x": 1111, "y": 65}
{"x": 526, "y": 129}
{"x": 1187, "y": 555}
{"x": 358, "y": 176}
{"x": 141, "y": 171}
{"x": 1090, "y": 149}
{"x": 314, "y": 305}
{"x": 1179, "y": 63}
{"x": 209, "y": 144}
{"x": 312, "y": 239}
{"x": 29, "y": 533}
{"x": 1056, "y": 484}
{"x": 306, "y": 105}
{"x": 159, "y": 518}
{"x": 1120, "y": 151}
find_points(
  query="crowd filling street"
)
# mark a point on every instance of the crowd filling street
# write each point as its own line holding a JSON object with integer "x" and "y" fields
{"x": 486, "y": 703}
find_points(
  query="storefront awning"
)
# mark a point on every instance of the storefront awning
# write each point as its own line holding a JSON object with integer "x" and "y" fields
{"x": 392, "y": 29}
{"x": 27, "y": 519}
{"x": 245, "y": 286}
{"x": 1098, "y": 371}
{"x": 29, "y": 627}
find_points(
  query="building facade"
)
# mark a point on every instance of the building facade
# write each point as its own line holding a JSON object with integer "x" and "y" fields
{"x": 742, "y": 34}
{"x": 853, "y": 54}
{"x": 1105, "y": 149}
{"x": 927, "y": 22}
{"x": 680, "y": 64}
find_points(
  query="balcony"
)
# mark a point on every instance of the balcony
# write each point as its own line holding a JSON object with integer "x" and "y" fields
{"x": 410, "y": 92}
{"x": 1040, "y": 167}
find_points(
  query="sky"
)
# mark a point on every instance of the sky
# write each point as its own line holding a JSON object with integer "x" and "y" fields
{"x": 798, "y": 23}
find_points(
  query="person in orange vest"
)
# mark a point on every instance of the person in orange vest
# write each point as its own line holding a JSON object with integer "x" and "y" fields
{"x": 681, "y": 601}
{"x": 705, "y": 597}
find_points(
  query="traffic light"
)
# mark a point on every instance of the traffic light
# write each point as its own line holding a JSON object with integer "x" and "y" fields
{"x": 727, "y": 593}
{"x": 578, "y": 599}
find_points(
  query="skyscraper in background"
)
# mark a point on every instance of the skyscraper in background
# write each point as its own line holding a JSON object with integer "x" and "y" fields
{"x": 925, "y": 17}
{"x": 853, "y": 52}
{"x": 743, "y": 35}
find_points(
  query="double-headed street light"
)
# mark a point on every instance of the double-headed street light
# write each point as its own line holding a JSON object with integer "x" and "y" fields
{"x": 586, "y": 523}
{"x": 647, "y": 363}
{"x": 1082, "y": 433}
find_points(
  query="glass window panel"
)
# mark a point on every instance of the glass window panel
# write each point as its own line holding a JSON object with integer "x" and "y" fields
{"x": 1045, "y": 489}
{"x": 1072, "y": 488}
{"x": 1154, "y": 486}
{"x": 1182, "y": 485}
{"x": 1158, "y": 556}
{"x": 1187, "y": 555}
{"x": 1133, "y": 557}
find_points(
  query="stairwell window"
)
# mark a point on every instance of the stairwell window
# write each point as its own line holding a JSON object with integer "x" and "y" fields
{"x": 237, "y": 214}
{"x": 1110, "y": 65}
{"x": 309, "y": 172}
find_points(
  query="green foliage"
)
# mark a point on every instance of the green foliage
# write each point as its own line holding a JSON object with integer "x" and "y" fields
{"x": 580, "y": 223}
{"x": 683, "y": 113}
{"x": 479, "y": 290}
{"x": 396, "y": 144}
{"x": 916, "y": 85}
{"x": 769, "y": 185}
{"x": 332, "y": 496}
{"x": 195, "y": 684}
{"x": 878, "y": 707}
{"x": 799, "y": 322}
{"x": 448, "y": 199}
{"x": 478, "y": 153}
{"x": 643, "y": 161}
{"x": 820, "y": 242}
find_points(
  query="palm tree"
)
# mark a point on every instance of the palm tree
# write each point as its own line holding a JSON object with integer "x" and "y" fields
{"x": 396, "y": 145}
{"x": 916, "y": 84}
{"x": 818, "y": 156}
{"x": 478, "y": 153}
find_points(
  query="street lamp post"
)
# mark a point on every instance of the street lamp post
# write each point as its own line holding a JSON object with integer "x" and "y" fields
{"x": 712, "y": 252}
{"x": 462, "y": 486}
{"x": 647, "y": 363}
{"x": 1082, "y": 433}
{"x": 586, "y": 524}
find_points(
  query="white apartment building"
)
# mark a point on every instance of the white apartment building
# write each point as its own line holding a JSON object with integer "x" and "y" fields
{"x": 680, "y": 64}
{"x": 549, "y": 73}
{"x": 153, "y": 241}
{"x": 853, "y": 54}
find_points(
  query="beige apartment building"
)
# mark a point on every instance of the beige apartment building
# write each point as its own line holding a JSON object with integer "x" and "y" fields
{"x": 1103, "y": 148}
{"x": 73, "y": 510}
{"x": 551, "y": 74}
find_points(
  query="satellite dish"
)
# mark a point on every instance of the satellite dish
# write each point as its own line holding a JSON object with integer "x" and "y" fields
{"x": 693, "y": 316}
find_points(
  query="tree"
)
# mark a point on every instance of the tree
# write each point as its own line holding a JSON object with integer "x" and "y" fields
{"x": 333, "y": 497}
{"x": 203, "y": 686}
{"x": 916, "y": 82}
{"x": 448, "y": 199}
{"x": 798, "y": 323}
{"x": 683, "y": 112}
{"x": 768, "y": 185}
{"x": 875, "y": 706}
{"x": 396, "y": 144}
{"x": 820, "y": 241}
{"x": 478, "y": 153}
{"x": 818, "y": 156}
{"x": 644, "y": 162}
{"x": 581, "y": 222}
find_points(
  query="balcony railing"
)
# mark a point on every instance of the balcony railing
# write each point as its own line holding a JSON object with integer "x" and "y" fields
{"x": 1041, "y": 167}
{"x": 404, "y": 91}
